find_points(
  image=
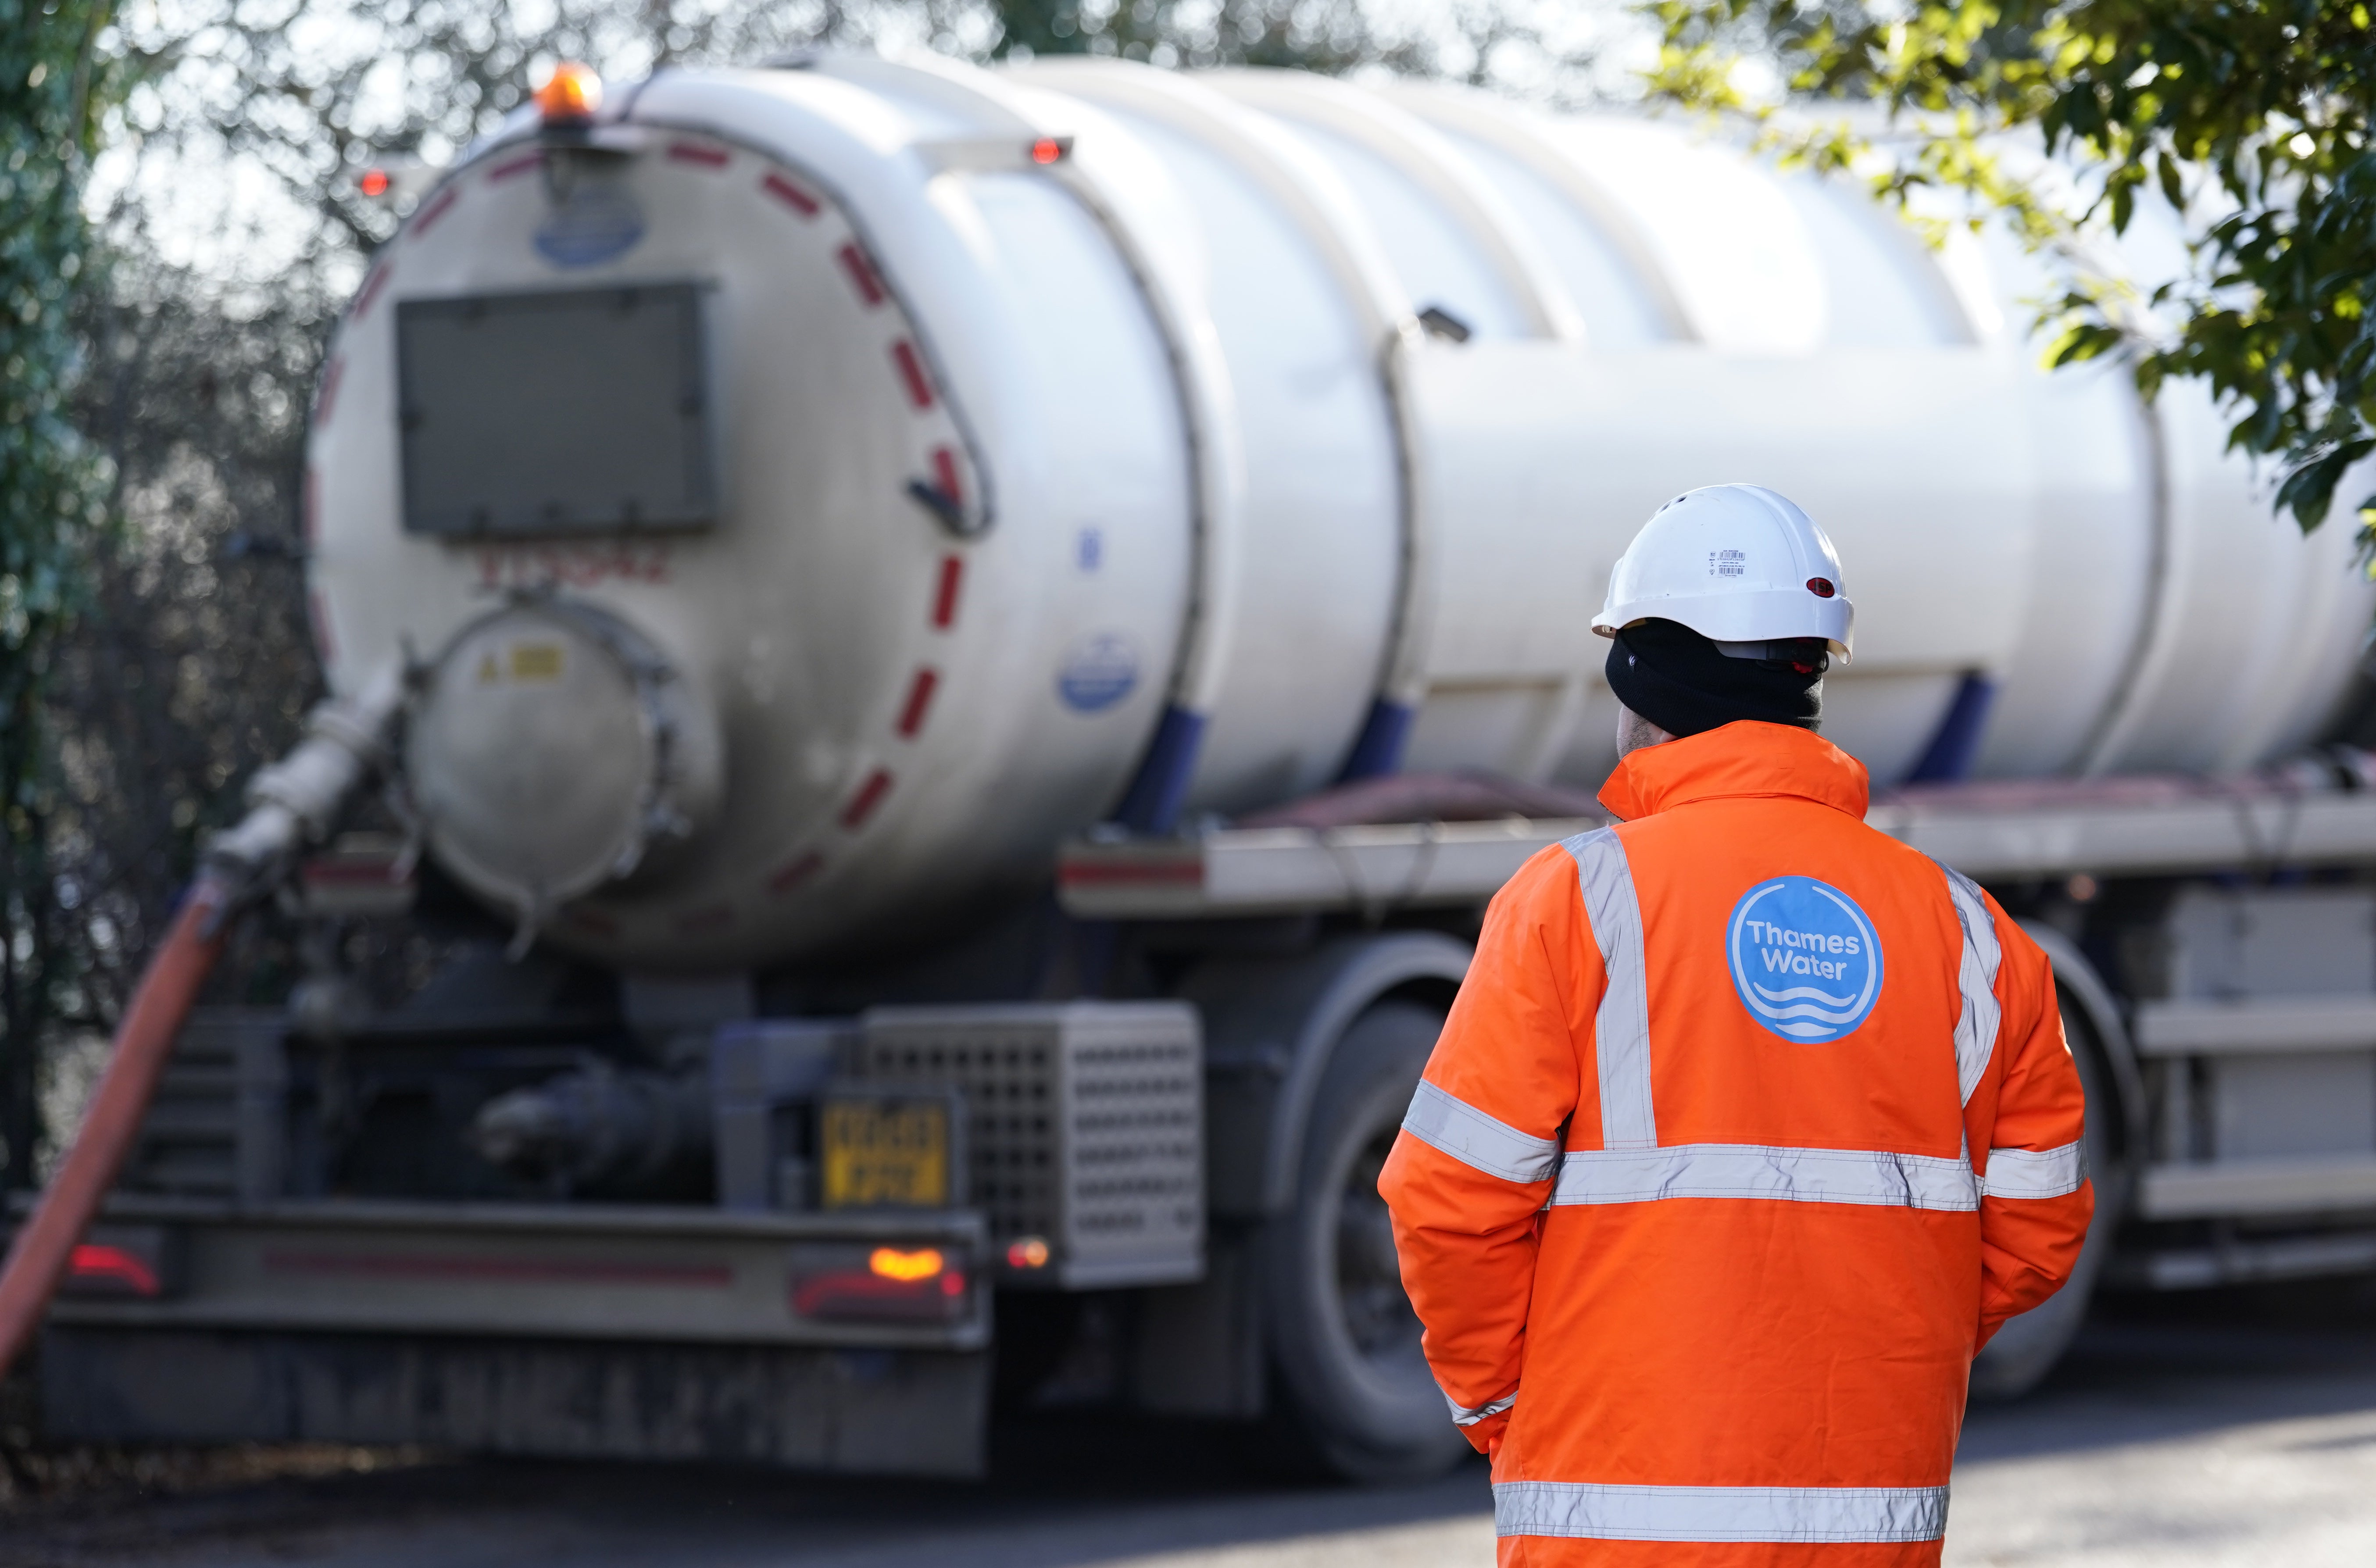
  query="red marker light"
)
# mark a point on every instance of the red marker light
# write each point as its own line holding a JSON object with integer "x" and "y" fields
{"x": 1029, "y": 1251}
{"x": 374, "y": 182}
{"x": 1821, "y": 587}
{"x": 1051, "y": 149}
{"x": 114, "y": 1265}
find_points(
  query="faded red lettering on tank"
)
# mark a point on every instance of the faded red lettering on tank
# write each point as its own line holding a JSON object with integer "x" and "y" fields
{"x": 505, "y": 567}
{"x": 438, "y": 207}
{"x": 325, "y": 397}
{"x": 319, "y": 614}
{"x": 790, "y": 195}
{"x": 795, "y": 872}
{"x": 870, "y": 796}
{"x": 944, "y": 471}
{"x": 700, "y": 154}
{"x": 919, "y": 702}
{"x": 716, "y": 916}
{"x": 863, "y": 276}
{"x": 911, "y": 374}
{"x": 520, "y": 165}
{"x": 373, "y": 281}
{"x": 944, "y": 595}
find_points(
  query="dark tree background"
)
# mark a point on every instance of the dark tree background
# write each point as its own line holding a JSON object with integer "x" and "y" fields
{"x": 51, "y": 75}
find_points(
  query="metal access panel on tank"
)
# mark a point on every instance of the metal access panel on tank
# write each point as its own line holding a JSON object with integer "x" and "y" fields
{"x": 574, "y": 412}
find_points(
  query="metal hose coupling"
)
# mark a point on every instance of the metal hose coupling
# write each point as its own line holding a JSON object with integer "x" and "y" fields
{"x": 296, "y": 801}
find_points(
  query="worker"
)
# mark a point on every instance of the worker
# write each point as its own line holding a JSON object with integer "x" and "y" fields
{"x": 1749, "y": 1124}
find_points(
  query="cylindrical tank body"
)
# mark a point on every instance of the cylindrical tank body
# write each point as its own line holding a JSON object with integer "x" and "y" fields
{"x": 1084, "y": 440}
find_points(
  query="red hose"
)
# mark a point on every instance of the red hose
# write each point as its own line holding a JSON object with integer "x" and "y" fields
{"x": 37, "y": 1258}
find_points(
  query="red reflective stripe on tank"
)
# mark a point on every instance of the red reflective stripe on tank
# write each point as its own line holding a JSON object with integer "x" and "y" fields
{"x": 594, "y": 920}
{"x": 325, "y": 397}
{"x": 792, "y": 874}
{"x": 870, "y": 795}
{"x": 945, "y": 597}
{"x": 520, "y": 165}
{"x": 372, "y": 284}
{"x": 695, "y": 152}
{"x": 320, "y": 616}
{"x": 790, "y": 195}
{"x": 715, "y": 918}
{"x": 945, "y": 469}
{"x": 919, "y": 702}
{"x": 439, "y": 205}
{"x": 1092, "y": 873}
{"x": 911, "y": 371}
{"x": 862, "y": 274}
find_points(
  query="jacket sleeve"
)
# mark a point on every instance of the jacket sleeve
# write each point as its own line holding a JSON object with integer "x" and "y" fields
{"x": 2027, "y": 1124}
{"x": 1475, "y": 1160}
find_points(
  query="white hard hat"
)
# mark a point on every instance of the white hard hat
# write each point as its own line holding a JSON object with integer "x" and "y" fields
{"x": 1736, "y": 564}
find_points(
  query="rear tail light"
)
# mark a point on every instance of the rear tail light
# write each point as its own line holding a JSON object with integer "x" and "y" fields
{"x": 122, "y": 1262}
{"x": 885, "y": 1284}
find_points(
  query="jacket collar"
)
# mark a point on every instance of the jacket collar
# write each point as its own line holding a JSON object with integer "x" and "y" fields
{"x": 1742, "y": 758}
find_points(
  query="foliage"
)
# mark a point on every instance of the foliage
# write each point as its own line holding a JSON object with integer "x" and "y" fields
{"x": 2252, "y": 119}
{"x": 1334, "y": 36}
{"x": 48, "y": 487}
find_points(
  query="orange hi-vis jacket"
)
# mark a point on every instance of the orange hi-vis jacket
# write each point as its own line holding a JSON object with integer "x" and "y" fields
{"x": 1749, "y": 1127}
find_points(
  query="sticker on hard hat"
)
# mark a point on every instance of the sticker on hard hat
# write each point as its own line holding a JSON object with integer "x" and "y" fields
{"x": 1804, "y": 958}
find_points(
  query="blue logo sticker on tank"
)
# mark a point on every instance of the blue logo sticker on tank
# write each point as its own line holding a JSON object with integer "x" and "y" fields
{"x": 597, "y": 222}
{"x": 1100, "y": 670}
{"x": 1804, "y": 958}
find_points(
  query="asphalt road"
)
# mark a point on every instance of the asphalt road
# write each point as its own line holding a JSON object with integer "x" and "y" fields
{"x": 2235, "y": 1430}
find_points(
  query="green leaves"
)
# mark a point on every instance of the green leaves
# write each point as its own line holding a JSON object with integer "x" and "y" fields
{"x": 50, "y": 489}
{"x": 48, "y": 486}
{"x": 2252, "y": 121}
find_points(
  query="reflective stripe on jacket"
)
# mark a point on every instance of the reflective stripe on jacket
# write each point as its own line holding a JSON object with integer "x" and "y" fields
{"x": 1749, "y": 1127}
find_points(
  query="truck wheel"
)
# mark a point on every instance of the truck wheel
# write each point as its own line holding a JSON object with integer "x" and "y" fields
{"x": 1359, "y": 1398}
{"x": 2027, "y": 1347}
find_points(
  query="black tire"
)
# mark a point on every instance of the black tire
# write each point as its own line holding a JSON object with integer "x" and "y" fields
{"x": 1358, "y": 1400}
{"x": 2027, "y": 1347}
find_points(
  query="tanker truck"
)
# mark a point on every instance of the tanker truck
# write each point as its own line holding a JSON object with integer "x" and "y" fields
{"x": 963, "y": 652}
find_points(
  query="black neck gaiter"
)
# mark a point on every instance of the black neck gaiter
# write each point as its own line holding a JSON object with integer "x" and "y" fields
{"x": 1684, "y": 683}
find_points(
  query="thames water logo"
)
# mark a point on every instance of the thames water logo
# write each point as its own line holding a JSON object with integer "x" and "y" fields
{"x": 1804, "y": 958}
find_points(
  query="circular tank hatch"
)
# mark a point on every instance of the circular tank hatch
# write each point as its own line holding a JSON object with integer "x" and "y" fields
{"x": 552, "y": 750}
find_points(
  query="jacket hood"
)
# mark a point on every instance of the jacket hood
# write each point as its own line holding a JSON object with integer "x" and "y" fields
{"x": 1742, "y": 758}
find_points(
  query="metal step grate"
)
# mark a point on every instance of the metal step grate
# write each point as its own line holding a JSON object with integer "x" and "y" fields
{"x": 213, "y": 1129}
{"x": 1084, "y": 1127}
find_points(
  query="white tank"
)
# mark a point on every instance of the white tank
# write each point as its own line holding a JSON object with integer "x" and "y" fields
{"x": 808, "y": 496}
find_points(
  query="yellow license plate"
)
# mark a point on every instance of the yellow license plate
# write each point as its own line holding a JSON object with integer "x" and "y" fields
{"x": 880, "y": 1153}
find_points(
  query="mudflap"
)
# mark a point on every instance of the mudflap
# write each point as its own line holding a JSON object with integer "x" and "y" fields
{"x": 861, "y": 1411}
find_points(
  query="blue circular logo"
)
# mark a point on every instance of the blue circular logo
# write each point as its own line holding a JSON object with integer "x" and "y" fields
{"x": 1100, "y": 670}
{"x": 593, "y": 225}
{"x": 1804, "y": 958}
